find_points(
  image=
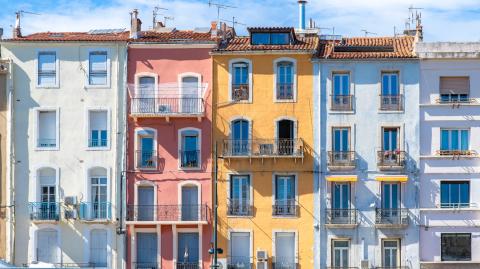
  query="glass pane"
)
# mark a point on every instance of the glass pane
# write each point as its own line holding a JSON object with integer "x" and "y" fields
{"x": 464, "y": 140}
{"x": 385, "y": 85}
{"x": 260, "y": 38}
{"x": 98, "y": 79}
{"x": 444, "y": 143}
{"x": 345, "y": 140}
{"x": 444, "y": 193}
{"x": 394, "y": 84}
{"x": 47, "y": 79}
{"x": 336, "y": 85}
{"x": 337, "y": 140}
{"x": 98, "y": 61}
{"x": 464, "y": 193}
{"x": 46, "y": 62}
{"x": 454, "y": 138}
{"x": 395, "y": 195}
{"x": 386, "y": 196}
{"x": 345, "y": 85}
{"x": 279, "y": 38}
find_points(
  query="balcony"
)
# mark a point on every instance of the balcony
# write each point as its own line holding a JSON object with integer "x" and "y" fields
{"x": 166, "y": 107}
{"x": 285, "y": 208}
{"x": 342, "y": 103}
{"x": 391, "y": 160}
{"x": 46, "y": 143}
{"x": 187, "y": 265}
{"x": 97, "y": 143}
{"x": 146, "y": 265}
{"x": 168, "y": 214}
{"x": 146, "y": 159}
{"x": 278, "y": 264}
{"x": 44, "y": 211}
{"x": 239, "y": 262}
{"x": 189, "y": 158}
{"x": 263, "y": 148}
{"x": 391, "y": 102}
{"x": 457, "y": 153}
{"x": 341, "y": 160}
{"x": 285, "y": 92}
{"x": 240, "y": 92}
{"x": 341, "y": 218}
{"x": 391, "y": 217}
{"x": 96, "y": 211}
{"x": 239, "y": 208}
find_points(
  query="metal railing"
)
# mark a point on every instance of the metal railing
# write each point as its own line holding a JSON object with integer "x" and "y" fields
{"x": 187, "y": 265}
{"x": 168, "y": 213}
{"x": 88, "y": 265}
{"x": 93, "y": 143}
{"x": 457, "y": 205}
{"x": 240, "y": 92}
{"x": 342, "y": 103}
{"x": 263, "y": 148}
{"x": 46, "y": 143}
{"x": 280, "y": 263}
{"x": 167, "y": 106}
{"x": 456, "y": 152}
{"x": 239, "y": 208}
{"x": 44, "y": 210}
{"x": 392, "y": 267}
{"x": 95, "y": 211}
{"x": 284, "y": 91}
{"x": 189, "y": 158}
{"x": 146, "y": 265}
{"x": 285, "y": 208}
{"x": 391, "y": 216}
{"x": 341, "y": 216}
{"x": 341, "y": 158}
{"x": 239, "y": 262}
{"x": 455, "y": 99}
{"x": 342, "y": 267}
{"x": 391, "y": 158}
{"x": 146, "y": 159}
{"x": 391, "y": 102}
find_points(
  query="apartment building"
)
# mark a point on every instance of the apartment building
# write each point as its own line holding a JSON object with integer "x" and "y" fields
{"x": 169, "y": 199}
{"x": 449, "y": 160}
{"x": 365, "y": 137}
{"x": 66, "y": 146}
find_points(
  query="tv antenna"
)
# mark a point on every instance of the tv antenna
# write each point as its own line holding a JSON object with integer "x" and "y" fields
{"x": 414, "y": 17}
{"x": 328, "y": 28}
{"x": 234, "y": 22}
{"x": 219, "y": 7}
{"x": 19, "y": 14}
{"x": 368, "y": 32}
{"x": 165, "y": 18}
{"x": 155, "y": 14}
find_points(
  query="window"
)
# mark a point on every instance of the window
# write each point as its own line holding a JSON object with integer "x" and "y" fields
{"x": 146, "y": 250}
{"x": 341, "y": 98}
{"x": 454, "y": 141}
{"x": 146, "y": 154}
{"x": 340, "y": 211}
{"x": 240, "y": 144}
{"x": 190, "y": 149}
{"x": 98, "y": 248}
{"x": 190, "y": 99}
{"x": 390, "y": 97}
{"x": 456, "y": 246}
{"x": 240, "y": 203}
{"x": 98, "y": 129}
{"x": 285, "y": 80}
{"x": 391, "y": 196}
{"x": 454, "y": 194}
{"x": 99, "y": 196}
{"x": 454, "y": 89}
{"x": 47, "y": 69}
{"x": 47, "y": 208}
{"x": 340, "y": 253}
{"x": 188, "y": 250}
{"x": 390, "y": 153}
{"x": 239, "y": 250}
{"x": 391, "y": 253}
{"x": 144, "y": 101}
{"x": 47, "y": 129}
{"x": 47, "y": 246}
{"x": 98, "y": 68}
{"x": 270, "y": 38}
{"x": 286, "y": 143}
{"x": 341, "y": 144}
{"x": 285, "y": 194}
{"x": 145, "y": 210}
{"x": 240, "y": 81}
{"x": 190, "y": 205}
{"x": 285, "y": 256}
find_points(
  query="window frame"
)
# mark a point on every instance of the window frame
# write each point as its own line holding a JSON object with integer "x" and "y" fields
{"x": 250, "y": 232}
{"x": 88, "y": 131}
{"x": 37, "y": 111}
{"x": 399, "y": 250}
{"x": 199, "y": 148}
{"x": 389, "y": 73}
{"x": 277, "y": 61}
{"x": 457, "y": 205}
{"x": 459, "y": 138}
{"x": 108, "y": 64}
{"x": 274, "y": 236}
{"x": 230, "y": 188}
{"x": 442, "y": 250}
{"x": 231, "y": 79}
{"x": 274, "y": 193}
{"x": 88, "y": 244}
{"x": 332, "y": 247}
{"x": 137, "y": 146}
{"x": 57, "y": 69}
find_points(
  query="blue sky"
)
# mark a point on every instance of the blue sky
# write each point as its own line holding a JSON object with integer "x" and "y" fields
{"x": 453, "y": 20}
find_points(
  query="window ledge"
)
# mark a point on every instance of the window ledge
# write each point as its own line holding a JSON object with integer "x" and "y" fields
{"x": 450, "y": 262}
{"x": 106, "y": 87}
{"x": 53, "y": 87}
{"x": 449, "y": 157}
{"x": 285, "y": 101}
{"x": 449, "y": 105}
{"x": 97, "y": 148}
{"x": 449, "y": 209}
{"x": 391, "y": 112}
{"x": 240, "y": 102}
{"x": 341, "y": 112}
{"x": 47, "y": 149}
{"x": 189, "y": 168}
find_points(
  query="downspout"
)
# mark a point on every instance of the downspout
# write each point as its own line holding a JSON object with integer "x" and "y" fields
{"x": 123, "y": 177}
{"x": 11, "y": 168}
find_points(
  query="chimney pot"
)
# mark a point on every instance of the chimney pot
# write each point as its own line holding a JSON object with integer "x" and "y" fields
{"x": 301, "y": 14}
{"x": 135, "y": 24}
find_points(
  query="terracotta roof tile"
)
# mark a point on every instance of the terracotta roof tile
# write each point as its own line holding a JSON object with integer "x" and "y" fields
{"x": 243, "y": 44}
{"x": 175, "y": 37}
{"x": 72, "y": 36}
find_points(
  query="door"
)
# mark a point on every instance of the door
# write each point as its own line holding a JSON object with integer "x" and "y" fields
{"x": 240, "y": 135}
{"x": 145, "y": 100}
{"x": 190, "y": 95}
{"x": 390, "y": 201}
{"x": 48, "y": 206}
{"x": 240, "y": 195}
{"x": 190, "y": 149}
{"x": 98, "y": 248}
{"x": 286, "y": 136}
{"x": 341, "y": 202}
{"x": 285, "y": 250}
{"x": 146, "y": 203}
{"x": 340, "y": 254}
{"x": 341, "y": 144}
{"x": 190, "y": 206}
{"x": 47, "y": 246}
{"x": 390, "y": 92}
{"x": 99, "y": 206}
{"x": 390, "y": 144}
{"x": 147, "y": 154}
{"x": 285, "y": 195}
{"x": 188, "y": 254}
{"x": 147, "y": 250}
{"x": 240, "y": 249}
{"x": 391, "y": 253}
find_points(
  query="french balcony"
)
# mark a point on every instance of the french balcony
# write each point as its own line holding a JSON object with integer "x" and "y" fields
{"x": 168, "y": 214}
{"x": 283, "y": 264}
{"x": 96, "y": 211}
{"x": 146, "y": 159}
{"x": 285, "y": 91}
{"x": 341, "y": 218}
{"x": 97, "y": 143}
{"x": 187, "y": 265}
{"x": 285, "y": 208}
{"x": 146, "y": 265}
{"x": 391, "y": 160}
{"x": 239, "y": 262}
{"x": 46, "y": 143}
{"x": 167, "y": 107}
{"x": 391, "y": 217}
{"x": 240, "y": 92}
{"x": 341, "y": 160}
{"x": 342, "y": 103}
{"x": 263, "y": 148}
{"x": 457, "y": 153}
{"x": 391, "y": 102}
{"x": 189, "y": 158}
{"x": 455, "y": 99}
{"x": 239, "y": 208}
{"x": 44, "y": 211}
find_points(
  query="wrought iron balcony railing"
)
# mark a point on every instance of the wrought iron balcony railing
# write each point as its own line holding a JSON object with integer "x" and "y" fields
{"x": 281, "y": 263}
{"x": 342, "y": 103}
{"x": 146, "y": 159}
{"x": 391, "y": 158}
{"x": 239, "y": 262}
{"x": 187, "y": 265}
{"x": 392, "y": 267}
{"x": 341, "y": 159}
{"x": 168, "y": 213}
{"x": 284, "y": 91}
{"x": 94, "y": 143}
{"x": 238, "y": 207}
{"x": 342, "y": 267}
{"x": 456, "y": 152}
{"x": 167, "y": 106}
{"x": 189, "y": 158}
{"x": 455, "y": 99}
{"x": 95, "y": 211}
{"x": 392, "y": 216}
{"x": 391, "y": 102}
{"x": 240, "y": 92}
{"x": 44, "y": 211}
{"x": 146, "y": 265}
{"x": 46, "y": 143}
{"x": 263, "y": 148}
{"x": 342, "y": 216}
{"x": 285, "y": 208}
{"x": 457, "y": 205}
{"x": 87, "y": 265}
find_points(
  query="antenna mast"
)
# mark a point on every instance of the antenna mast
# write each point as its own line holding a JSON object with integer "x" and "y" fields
{"x": 219, "y": 6}
{"x": 233, "y": 22}
{"x": 155, "y": 14}
{"x": 368, "y": 32}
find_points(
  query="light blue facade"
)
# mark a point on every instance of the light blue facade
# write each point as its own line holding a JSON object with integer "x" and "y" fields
{"x": 370, "y": 239}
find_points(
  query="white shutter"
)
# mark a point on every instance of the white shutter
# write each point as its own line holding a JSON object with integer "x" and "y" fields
{"x": 98, "y": 247}
{"x": 98, "y": 120}
{"x": 47, "y": 247}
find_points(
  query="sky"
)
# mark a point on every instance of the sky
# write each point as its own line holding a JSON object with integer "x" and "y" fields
{"x": 442, "y": 20}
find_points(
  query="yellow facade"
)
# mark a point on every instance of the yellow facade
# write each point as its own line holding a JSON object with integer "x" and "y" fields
{"x": 263, "y": 112}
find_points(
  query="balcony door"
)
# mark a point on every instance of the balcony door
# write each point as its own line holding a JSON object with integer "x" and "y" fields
{"x": 48, "y": 190}
{"x": 146, "y": 250}
{"x": 188, "y": 254}
{"x": 190, "y": 206}
{"x": 99, "y": 197}
{"x": 147, "y": 153}
{"x": 390, "y": 145}
{"x": 284, "y": 195}
{"x": 341, "y": 202}
{"x": 240, "y": 195}
{"x": 391, "y": 253}
{"x": 341, "y": 144}
{"x": 190, "y": 95}
{"x": 146, "y": 95}
{"x": 240, "y": 136}
{"x": 285, "y": 250}
{"x": 47, "y": 246}
{"x": 286, "y": 136}
{"x": 146, "y": 203}
{"x": 390, "y": 200}
{"x": 240, "y": 249}
{"x": 189, "y": 151}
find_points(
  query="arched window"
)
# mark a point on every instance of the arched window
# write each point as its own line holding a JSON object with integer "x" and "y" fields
{"x": 285, "y": 80}
{"x": 99, "y": 206}
{"x": 240, "y": 80}
{"x": 46, "y": 207}
{"x": 146, "y": 149}
{"x": 190, "y": 148}
{"x": 286, "y": 137}
{"x": 240, "y": 137}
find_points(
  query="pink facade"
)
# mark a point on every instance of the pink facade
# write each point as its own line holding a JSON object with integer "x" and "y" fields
{"x": 169, "y": 156}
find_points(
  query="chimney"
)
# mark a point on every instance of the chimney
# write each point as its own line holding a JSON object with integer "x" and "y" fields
{"x": 213, "y": 29}
{"x": 301, "y": 14}
{"x": 135, "y": 24}
{"x": 16, "y": 30}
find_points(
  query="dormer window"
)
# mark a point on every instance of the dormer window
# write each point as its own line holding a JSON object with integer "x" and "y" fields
{"x": 269, "y": 38}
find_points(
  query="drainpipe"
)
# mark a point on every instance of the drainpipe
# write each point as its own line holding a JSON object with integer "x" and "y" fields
{"x": 301, "y": 14}
{"x": 215, "y": 207}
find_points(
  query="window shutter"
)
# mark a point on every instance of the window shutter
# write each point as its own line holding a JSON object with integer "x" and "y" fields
{"x": 454, "y": 85}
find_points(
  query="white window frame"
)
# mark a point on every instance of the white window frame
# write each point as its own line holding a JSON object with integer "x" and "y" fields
{"x": 332, "y": 250}
{"x": 57, "y": 69}
{"x": 88, "y": 186}
{"x": 87, "y": 128}
{"x": 459, "y": 137}
{"x": 250, "y": 79}
{"x": 295, "y": 126}
{"x": 133, "y": 242}
{"x": 186, "y": 184}
{"x": 36, "y": 120}
{"x": 199, "y": 145}
{"x": 146, "y": 183}
{"x": 274, "y": 195}
{"x": 88, "y": 234}
{"x": 176, "y": 231}
{"x": 275, "y": 72}
{"x": 109, "y": 67}
{"x": 399, "y": 250}
{"x": 250, "y": 232}
{"x": 228, "y": 188}
{"x": 137, "y": 146}
{"x": 35, "y": 189}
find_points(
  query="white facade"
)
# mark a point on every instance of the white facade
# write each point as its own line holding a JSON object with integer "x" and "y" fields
{"x": 67, "y": 139}
{"x": 445, "y": 162}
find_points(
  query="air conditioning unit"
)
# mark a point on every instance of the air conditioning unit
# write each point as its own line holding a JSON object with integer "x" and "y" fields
{"x": 262, "y": 265}
{"x": 70, "y": 214}
{"x": 266, "y": 149}
{"x": 262, "y": 255}
{"x": 364, "y": 264}
{"x": 164, "y": 109}
{"x": 70, "y": 200}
